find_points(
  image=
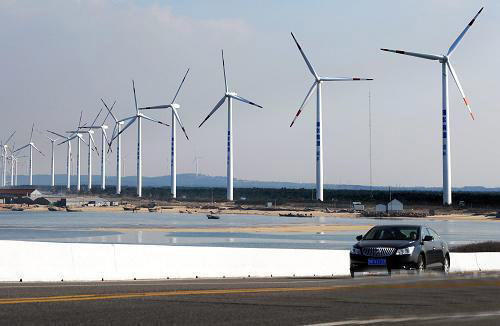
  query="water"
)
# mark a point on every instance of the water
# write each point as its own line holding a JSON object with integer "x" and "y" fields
{"x": 101, "y": 228}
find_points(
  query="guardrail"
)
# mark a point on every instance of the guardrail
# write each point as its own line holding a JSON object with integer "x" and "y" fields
{"x": 47, "y": 261}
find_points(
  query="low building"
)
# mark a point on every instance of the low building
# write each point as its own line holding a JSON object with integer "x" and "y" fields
{"x": 358, "y": 206}
{"x": 395, "y": 206}
{"x": 10, "y": 195}
{"x": 381, "y": 208}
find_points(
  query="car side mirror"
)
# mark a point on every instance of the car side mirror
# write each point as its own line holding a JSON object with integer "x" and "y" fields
{"x": 428, "y": 238}
{"x": 359, "y": 237}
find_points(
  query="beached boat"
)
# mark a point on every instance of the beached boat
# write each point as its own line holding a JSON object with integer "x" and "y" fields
{"x": 295, "y": 215}
{"x": 54, "y": 209}
{"x": 130, "y": 208}
{"x": 213, "y": 217}
{"x": 17, "y": 209}
{"x": 154, "y": 209}
{"x": 73, "y": 210}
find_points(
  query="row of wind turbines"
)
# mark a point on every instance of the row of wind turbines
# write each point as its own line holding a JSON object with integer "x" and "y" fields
{"x": 121, "y": 125}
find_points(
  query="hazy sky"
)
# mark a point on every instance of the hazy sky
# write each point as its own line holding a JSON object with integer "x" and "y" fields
{"x": 60, "y": 57}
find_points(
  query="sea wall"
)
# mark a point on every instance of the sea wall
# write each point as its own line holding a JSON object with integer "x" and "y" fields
{"x": 47, "y": 261}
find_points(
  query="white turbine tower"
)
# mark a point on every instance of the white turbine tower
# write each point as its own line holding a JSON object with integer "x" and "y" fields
{"x": 31, "y": 145}
{"x": 68, "y": 158}
{"x": 175, "y": 116}
{"x": 104, "y": 141}
{"x": 117, "y": 128}
{"x": 52, "y": 162}
{"x": 5, "y": 148}
{"x": 445, "y": 63}
{"x": 78, "y": 135}
{"x": 90, "y": 143}
{"x": 137, "y": 117}
{"x": 229, "y": 96}
{"x": 319, "y": 123}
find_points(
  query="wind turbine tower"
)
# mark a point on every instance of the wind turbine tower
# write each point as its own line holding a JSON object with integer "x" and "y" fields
{"x": 446, "y": 66}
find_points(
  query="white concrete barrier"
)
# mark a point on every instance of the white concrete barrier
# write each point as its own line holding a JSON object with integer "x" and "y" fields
{"x": 42, "y": 261}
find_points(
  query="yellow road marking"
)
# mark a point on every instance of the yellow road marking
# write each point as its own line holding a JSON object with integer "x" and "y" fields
{"x": 89, "y": 297}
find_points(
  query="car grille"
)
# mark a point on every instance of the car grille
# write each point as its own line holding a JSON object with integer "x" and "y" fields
{"x": 378, "y": 251}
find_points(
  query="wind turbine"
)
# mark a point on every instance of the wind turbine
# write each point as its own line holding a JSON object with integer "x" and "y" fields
{"x": 137, "y": 117}
{"x": 52, "y": 162}
{"x": 104, "y": 141}
{"x": 117, "y": 128}
{"x": 5, "y": 147}
{"x": 229, "y": 96}
{"x": 31, "y": 145}
{"x": 445, "y": 63}
{"x": 68, "y": 140}
{"x": 68, "y": 158}
{"x": 196, "y": 162}
{"x": 175, "y": 116}
{"x": 319, "y": 123}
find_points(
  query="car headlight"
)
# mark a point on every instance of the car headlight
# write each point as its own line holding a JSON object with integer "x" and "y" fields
{"x": 405, "y": 251}
{"x": 355, "y": 251}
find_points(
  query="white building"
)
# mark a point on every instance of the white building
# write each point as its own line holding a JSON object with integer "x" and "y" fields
{"x": 380, "y": 208}
{"x": 357, "y": 206}
{"x": 395, "y": 206}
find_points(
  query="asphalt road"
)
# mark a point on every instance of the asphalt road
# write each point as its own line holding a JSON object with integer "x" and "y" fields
{"x": 429, "y": 300}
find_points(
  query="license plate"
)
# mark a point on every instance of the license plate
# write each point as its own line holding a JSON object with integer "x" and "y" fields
{"x": 377, "y": 261}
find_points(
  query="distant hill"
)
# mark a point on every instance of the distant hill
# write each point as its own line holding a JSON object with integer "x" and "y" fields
{"x": 193, "y": 180}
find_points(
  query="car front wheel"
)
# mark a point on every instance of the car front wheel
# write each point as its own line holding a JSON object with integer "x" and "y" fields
{"x": 420, "y": 264}
{"x": 446, "y": 265}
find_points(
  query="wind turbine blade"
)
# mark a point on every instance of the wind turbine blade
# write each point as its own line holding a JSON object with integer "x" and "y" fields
{"x": 309, "y": 65}
{"x": 93, "y": 144}
{"x": 31, "y": 136}
{"x": 224, "y": 69}
{"x": 304, "y": 102}
{"x": 21, "y": 148}
{"x": 97, "y": 116}
{"x": 415, "y": 54}
{"x": 80, "y": 121}
{"x": 217, "y": 106}
{"x": 135, "y": 97}
{"x": 109, "y": 110}
{"x": 39, "y": 151}
{"x": 182, "y": 82}
{"x": 343, "y": 78}
{"x": 457, "y": 82}
{"x": 83, "y": 140}
{"x": 459, "y": 38}
{"x": 125, "y": 128}
{"x": 166, "y": 106}
{"x": 180, "y": 122}
{"x": 10, "y": 137}
{"x": 154, "y": 120}
{"x": 55, "y": 133}
{"x": 110, "y": 142}
{"x": 239, "y": 98}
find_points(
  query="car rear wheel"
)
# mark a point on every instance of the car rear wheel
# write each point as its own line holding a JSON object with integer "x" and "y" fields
{"x": 420, "y": 264}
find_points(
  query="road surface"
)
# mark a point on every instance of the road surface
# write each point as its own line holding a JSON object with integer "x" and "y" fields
{"x": 429, "y": 300}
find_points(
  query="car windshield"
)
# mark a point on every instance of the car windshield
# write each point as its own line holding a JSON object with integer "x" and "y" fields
{"x": 409, "y": 233}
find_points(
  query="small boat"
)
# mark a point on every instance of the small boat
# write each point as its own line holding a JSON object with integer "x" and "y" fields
{"x": 17, "y": 209}
{"x": 213, "y": 217}
{"x": 54, "y": 209}
{"x": 73, "y": 210}
{"x": 296, "y": 215}
{"x": 131, "y": 208}
{"x": 154, "y": 209}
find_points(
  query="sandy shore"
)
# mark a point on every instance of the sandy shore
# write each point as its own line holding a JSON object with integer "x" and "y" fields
{"x": 287, "y": 228}
{"x": 179, "y": 208}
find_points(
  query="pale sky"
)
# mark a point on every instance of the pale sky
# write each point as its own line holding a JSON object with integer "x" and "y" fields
{"x": 61, "y": 56}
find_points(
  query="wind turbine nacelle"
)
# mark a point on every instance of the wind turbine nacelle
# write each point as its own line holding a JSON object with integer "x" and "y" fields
{"x": 104, "y": 127}
{"x": 175, "y": 106}
{"x": 231, "y": 94}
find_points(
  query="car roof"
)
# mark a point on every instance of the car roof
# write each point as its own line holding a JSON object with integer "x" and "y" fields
{"x": 400, "y": 225}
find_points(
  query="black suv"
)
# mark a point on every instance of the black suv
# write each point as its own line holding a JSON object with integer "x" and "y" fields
{"x": 412, "y": 247}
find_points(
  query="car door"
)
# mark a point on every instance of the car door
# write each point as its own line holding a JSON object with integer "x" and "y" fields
{"x": 439, "y": 247}
{"x": 428, "y": 248}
